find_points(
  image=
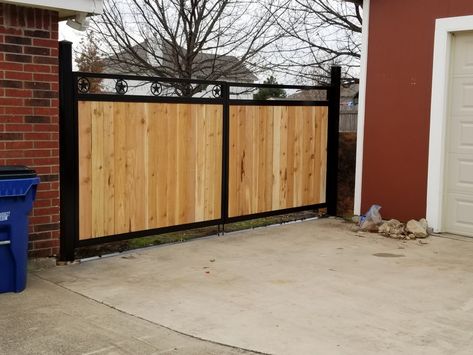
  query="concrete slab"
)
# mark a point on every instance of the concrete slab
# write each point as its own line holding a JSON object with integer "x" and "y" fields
{"x": 305, "y": 288}
{"x": 48, "y": 319}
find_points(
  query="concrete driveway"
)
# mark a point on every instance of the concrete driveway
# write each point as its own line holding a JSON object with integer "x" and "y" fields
{"x": 47, "y": 319}
{"x": 314, "y": 287}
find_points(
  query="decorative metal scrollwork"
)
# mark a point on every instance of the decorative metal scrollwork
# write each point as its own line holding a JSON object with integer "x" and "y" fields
{"x": 217, "y": 91}
{"x": 156, "y": 88}
{"x": 83, "y": 85}
{"x": 121, "y": 87}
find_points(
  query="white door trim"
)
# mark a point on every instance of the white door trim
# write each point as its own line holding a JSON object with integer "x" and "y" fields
{"x": 438, "y": 116}
{"x": 360, "y": 130}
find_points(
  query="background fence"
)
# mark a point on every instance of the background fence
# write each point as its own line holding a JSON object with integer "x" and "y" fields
{"x": 348, "y": 121}
{"x": 136, "y": 165}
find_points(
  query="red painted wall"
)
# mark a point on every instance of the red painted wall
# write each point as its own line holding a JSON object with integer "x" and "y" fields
{"x": 400, "y": 59}
{"x": 29, "y": 125}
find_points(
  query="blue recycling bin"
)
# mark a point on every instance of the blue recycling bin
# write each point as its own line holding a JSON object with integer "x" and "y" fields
{"x": 17, "y": 192}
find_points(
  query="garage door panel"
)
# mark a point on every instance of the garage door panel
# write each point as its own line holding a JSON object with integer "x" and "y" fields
{"x": 459, "y": 214}
{"x": 460, "y": 173}
{"x": 458, "y": 207}
{"x": 463, "y": 59}
{"x": 461, "y": 141}
{"x": 462, "y": 96}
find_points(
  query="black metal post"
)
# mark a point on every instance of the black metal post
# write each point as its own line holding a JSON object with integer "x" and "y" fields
{"x": 68, "y": 159}
{"x": 332, "y": 143}
{"x": 225, "y": 151}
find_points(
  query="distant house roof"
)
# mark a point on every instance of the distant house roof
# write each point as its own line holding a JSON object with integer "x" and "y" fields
{"x": 206, "y": 65}
{"x": 347, "y": 93}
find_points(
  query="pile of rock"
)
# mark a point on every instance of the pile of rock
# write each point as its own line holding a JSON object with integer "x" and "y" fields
{"x": 411, "y": 230}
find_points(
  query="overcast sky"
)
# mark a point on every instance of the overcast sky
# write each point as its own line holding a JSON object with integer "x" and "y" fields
{"x": 67, "y": 33}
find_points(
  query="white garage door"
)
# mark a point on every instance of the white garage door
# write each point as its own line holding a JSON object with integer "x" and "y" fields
{"x": 459, "y": 153}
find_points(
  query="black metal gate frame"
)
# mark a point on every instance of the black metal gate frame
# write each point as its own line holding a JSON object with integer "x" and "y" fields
{"x": 69, "y": 157}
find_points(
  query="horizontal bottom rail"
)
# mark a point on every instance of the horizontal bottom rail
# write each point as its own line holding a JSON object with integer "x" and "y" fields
{"x": 182, "y": 227}
{"x": 146, "y": 233}
{"x": 274, "y": 213}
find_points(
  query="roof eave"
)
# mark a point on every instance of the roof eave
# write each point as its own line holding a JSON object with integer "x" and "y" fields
{"x": 65, "y": 9}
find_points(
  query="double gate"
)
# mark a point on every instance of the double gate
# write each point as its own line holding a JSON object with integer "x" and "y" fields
{"x": 138, "y": 160}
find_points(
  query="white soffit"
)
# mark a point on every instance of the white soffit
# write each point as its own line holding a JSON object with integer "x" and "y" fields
{"x": 65, "y": 9}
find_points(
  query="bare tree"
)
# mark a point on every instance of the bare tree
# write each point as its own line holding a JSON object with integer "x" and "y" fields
{"x": 318, "y": 34}
{"x": 205, "y": 39}
{"x": 89, "y": 60}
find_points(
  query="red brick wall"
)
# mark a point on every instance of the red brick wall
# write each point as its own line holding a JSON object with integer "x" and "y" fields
{"x": 29, "y": 123}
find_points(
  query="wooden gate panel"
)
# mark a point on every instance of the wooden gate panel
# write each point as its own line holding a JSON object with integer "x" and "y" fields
{"x": 278, "y": 157}
{"x": 147, "y": 165}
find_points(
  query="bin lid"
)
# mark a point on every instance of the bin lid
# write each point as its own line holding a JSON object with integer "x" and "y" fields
{"x": 16, "y": 172}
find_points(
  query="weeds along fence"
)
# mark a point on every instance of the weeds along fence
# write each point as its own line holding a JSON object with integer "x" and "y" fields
{"x": 141, "y": 156}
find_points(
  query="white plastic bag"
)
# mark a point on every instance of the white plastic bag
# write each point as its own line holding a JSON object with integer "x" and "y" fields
{"x": 371, "y": 220}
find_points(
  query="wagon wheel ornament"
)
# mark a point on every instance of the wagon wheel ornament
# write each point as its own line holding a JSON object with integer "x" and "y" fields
{"x": 216, "y": 91}
{"x": 83, "y": 85}
{"x": 121, "y": 87}
{"x": 156, "y": 88}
